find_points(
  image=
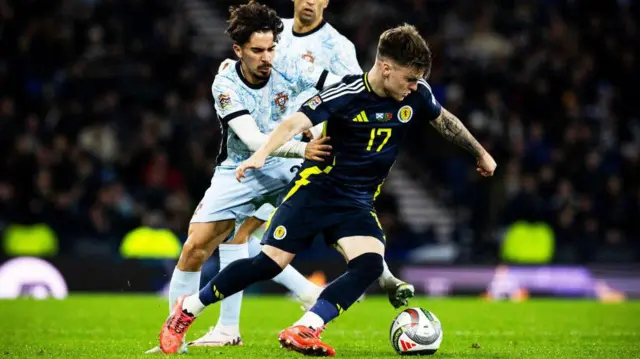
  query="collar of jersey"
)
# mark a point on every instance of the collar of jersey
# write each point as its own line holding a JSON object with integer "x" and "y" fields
{"x": 367, "y": 86}
{"x": 246, "y": 82}
{"x": 302, "y": 34}
{"x": 365, "y": 78}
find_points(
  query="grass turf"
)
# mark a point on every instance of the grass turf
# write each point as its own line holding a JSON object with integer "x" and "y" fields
{"x": 124, "y": 326}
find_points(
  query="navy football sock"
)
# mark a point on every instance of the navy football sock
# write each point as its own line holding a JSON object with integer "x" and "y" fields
{"x": 237, "y": 276}
{"x": 344, "y": 291}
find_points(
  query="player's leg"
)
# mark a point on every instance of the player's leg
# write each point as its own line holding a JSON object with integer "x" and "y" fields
{"x": 239, "y": 274}
{"x": 202, "y": 240}
{"x": 212, "y": 222}
{"x": 226, "y": 332}
{"x": 364, "y": 255}
{"x": 361, "y": 240}
{"x": 185, "y": 280}
{"x": 365, "y": 266}
{"x": 306, "y": 291}
{"x": 398, "y": 291}
{"x": 232, "y": 279}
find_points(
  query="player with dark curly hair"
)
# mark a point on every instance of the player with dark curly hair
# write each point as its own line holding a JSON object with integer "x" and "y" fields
{"x": 250, "y": 25}
{"x": 250, "y": 98}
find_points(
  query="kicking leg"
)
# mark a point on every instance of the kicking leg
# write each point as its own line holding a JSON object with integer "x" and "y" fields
{"x": 306, "y": 291}
{"x": 234, "y": 278}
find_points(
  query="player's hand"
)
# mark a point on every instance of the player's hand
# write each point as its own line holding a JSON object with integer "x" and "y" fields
{"x": 226, "y": 63}
{"x": 486, "y": 165}
{"x": 251, "y": 163}
{"x": 318, "y": 150}
{"x": 308, "y": 134}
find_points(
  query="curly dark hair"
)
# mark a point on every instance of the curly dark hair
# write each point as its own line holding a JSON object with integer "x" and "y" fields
{"x": 404, "y": 45}
{"x": 252, "y": 17}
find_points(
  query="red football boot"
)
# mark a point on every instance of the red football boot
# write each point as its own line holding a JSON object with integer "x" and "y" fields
{"x": 305, "y": 340}
{"x": 175, "y": 327}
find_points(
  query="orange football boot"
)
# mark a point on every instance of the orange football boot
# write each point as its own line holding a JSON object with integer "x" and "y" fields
{"x": 305, "y": 340}
{"x": 175, "y": 327}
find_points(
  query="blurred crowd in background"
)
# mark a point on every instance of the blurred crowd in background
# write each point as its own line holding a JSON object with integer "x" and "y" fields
{"x": 107, "y": 122}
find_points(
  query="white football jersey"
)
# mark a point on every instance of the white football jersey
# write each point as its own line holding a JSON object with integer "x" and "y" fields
{"x": 323, "y": 46}
{"x": 267, "y": 103}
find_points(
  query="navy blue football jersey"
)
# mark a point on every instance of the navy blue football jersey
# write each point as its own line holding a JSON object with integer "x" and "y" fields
{"x": 366, "y": 131}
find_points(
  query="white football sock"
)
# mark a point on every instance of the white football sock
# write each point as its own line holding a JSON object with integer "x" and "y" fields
{"x": 254, "y": 245}
{"x": 193, "y": 305}
{"x": 230, "y": 306}
{"x": 297, "y": 283}
{"x": 387, "y": 276}
{"x": 310, "y": 319}
{"x": 182, "y": 283}
{"x": 289, "y": 277}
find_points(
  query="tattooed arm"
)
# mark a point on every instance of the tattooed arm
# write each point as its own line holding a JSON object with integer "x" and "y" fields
{"x": 451, "y": 128}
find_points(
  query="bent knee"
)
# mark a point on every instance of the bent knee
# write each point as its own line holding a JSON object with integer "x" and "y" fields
{"x": 203, "y": 239}
{"x": 279, "y": 256}
{"x": 368, "y": 265}
{"x": 193, "y": 256}
{"x": 266, "y": 266}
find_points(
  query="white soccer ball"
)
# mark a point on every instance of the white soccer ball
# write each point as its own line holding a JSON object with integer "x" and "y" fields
{"x": 416, "y": 331}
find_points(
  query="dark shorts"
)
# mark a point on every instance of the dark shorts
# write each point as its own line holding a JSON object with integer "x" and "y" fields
{"x": 311, "y": 209}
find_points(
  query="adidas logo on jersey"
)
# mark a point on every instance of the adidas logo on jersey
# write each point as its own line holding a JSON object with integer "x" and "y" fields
{"x": 362, "y": 117}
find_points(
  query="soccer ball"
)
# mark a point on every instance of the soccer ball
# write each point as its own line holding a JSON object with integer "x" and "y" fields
{"x": 416, "y": 331}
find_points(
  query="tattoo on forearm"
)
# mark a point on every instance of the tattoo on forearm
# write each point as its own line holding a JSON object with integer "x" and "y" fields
{"x": 451, "y": 128}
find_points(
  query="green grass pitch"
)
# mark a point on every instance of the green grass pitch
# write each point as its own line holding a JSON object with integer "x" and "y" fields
{"x": 124, "y": 326}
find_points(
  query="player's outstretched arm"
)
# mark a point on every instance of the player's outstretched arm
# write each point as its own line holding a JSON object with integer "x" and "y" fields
{"x": 247, "y": 130}
{"x": 285, "y": 131}
{"x": 451, "y": 128}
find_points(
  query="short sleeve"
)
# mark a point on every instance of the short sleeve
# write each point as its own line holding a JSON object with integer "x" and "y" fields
{"x": 344, "y": 61}
{"x": 316, "y": 110}
{"x": 430, "y": 105}
{"x": 324, "y": 105}
{"x": 227, "y": 101}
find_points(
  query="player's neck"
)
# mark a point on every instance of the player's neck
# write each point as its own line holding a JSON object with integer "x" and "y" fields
{"x": 300, "y": 29}
{"x": 376, "y": 82}
{"x": 249, "y": 77}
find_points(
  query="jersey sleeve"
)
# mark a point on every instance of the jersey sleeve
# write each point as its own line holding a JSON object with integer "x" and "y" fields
{"x": 302, "y": 74}
{"x": 430, "y": 105}
{"x": 227, "y": 101}
{"x": 344, "y": 61}
{"x": 322, "y": 106}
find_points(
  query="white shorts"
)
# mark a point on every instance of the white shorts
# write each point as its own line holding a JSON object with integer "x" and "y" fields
{"x": 264, "y": 212}
{"x": 227, "y": 198}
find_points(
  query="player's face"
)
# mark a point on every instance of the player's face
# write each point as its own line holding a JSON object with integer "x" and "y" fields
{"x": 308, "y": 11}
{"x": 257, "y": 55}
{"x": 399, "y": 81}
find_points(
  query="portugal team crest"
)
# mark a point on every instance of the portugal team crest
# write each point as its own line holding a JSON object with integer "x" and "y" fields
{"x": 281, "y": 100}
{"x": 308, "y": 56}
{"x": 225, "y": 100}
{"x": 280, "y": 232}
{"x": 405, "y": 113}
